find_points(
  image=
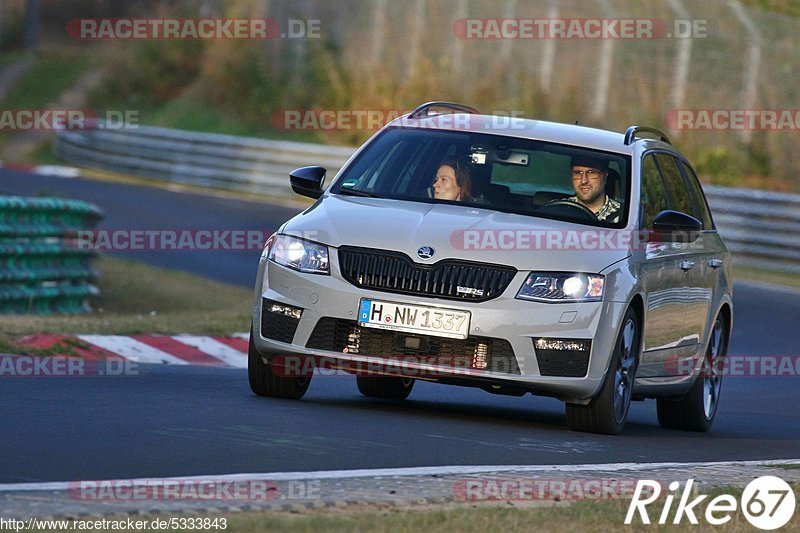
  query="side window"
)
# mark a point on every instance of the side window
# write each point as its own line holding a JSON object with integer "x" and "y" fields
{"x": 701, "y": 211}
{"x": 654, "y": 197}
{"x": 677, "y": 192}
{"x": 369, "y": 177}
{"x": 415, "y": 170}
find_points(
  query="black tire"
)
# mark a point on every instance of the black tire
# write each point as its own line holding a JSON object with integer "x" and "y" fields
{"x": 265, "y": 382}
{"x": 389, "y": 388}
{"x": 606, "y": 413}
{"x": 698, "y": 408}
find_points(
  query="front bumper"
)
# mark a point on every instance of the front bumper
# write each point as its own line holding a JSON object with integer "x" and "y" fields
{"x": 507, "y": 325}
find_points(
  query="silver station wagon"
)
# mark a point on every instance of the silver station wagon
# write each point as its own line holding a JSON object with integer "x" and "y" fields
{"x": 514, "y": 255}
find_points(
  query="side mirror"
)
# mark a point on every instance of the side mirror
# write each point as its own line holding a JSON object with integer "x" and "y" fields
{"x": 674, "y": 226}
{"x": 307, "y": 181}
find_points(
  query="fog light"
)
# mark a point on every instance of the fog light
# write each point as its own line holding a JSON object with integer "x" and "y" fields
{"x": 562, "y": 345}
{"x": 568, "y": 358}
{"x": 285, "y": 310}
{"x": 279, "y": 321}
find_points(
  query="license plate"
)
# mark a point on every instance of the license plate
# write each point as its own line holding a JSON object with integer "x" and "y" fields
{"x": 414, "y": 318}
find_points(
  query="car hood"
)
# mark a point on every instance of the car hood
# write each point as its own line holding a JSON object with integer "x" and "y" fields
{"x": 461, "y": 232}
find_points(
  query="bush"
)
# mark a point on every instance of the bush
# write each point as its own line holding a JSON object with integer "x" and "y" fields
{"x": 151, "y": 73}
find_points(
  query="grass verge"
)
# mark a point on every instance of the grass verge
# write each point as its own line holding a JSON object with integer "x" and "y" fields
{"x": 761, "y": 275}
{"x": 608, "y": 515}
{"x": 136, "y": 298}
{"x": 189, "y": 113}
{"x": 53, "y": 72}
{"x": 43, "y": 154}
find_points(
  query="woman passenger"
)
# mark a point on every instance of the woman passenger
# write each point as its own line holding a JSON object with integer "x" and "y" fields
{"x": 452, "y": 182}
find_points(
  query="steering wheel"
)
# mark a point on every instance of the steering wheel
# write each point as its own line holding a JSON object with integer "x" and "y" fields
{"x": 585, "y": 212}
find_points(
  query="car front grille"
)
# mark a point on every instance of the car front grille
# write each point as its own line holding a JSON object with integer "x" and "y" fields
{"x": 481, "y": 353}
{"x": 450, "y": 279}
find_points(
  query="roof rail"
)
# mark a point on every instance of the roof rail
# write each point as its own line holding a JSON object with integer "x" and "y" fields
{"x": 423, "y": 110}
{"x": 630, "y": 134}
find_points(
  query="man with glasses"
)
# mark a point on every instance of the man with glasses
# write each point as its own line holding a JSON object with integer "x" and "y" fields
{"x": 589, "y": 176}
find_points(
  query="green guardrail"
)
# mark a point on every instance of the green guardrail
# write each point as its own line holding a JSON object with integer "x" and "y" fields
{"x": 42, "y": 269}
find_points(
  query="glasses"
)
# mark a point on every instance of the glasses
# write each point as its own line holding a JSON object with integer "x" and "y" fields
{"x": 591, "y": 174}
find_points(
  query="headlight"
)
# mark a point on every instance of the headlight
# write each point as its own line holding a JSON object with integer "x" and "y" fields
{"x": 562, "y": 287}
{"x": 298, "y": 254}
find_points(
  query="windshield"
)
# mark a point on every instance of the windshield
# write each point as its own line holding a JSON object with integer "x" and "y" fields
{"x": 524, "y": 176}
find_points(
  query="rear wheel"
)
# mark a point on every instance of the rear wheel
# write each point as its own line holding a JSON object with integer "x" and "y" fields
{"x": 606, "y": 413}
{"x": 264, "y": 381}
{"x": 696, "y": 410}
{"x": 391, "y": 388}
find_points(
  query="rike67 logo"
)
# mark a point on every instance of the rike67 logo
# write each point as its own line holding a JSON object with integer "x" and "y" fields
{"x": 767, "y": 502}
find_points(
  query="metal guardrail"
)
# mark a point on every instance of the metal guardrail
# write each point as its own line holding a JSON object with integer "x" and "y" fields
{"x": 761, "y": 228}
{"x": 42, "y": 271}
{"x": 221, "y": 161}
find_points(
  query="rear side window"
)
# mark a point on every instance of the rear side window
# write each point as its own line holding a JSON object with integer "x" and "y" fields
{"x": 654, "y": 196}
{"x": 677, "y": 192}
{"x": 700, "y": 211}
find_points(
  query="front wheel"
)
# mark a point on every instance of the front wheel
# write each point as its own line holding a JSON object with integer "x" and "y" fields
{"x": 264, "y": 381}
{"x": 606, "y": 413}
{"x": 696, "y": 410}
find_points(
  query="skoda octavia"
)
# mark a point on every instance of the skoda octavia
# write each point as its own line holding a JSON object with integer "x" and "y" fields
{"x": 513, "y": 255}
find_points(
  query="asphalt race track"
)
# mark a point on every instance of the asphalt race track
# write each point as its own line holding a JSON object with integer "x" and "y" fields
{"x": 170, "y": 420}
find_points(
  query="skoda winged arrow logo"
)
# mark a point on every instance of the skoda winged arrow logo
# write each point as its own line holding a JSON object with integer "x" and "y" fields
{"x": 426, "y": 252}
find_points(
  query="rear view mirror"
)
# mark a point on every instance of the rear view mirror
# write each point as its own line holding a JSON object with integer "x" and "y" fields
{"x": 307, "y": 181}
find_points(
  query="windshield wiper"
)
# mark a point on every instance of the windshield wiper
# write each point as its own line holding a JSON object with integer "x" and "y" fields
{"x": 356, "y": 192}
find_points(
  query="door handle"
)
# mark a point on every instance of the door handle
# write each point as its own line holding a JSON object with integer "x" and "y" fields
{"x": 715, "y": 263}
{"x": 686, "y": 265}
